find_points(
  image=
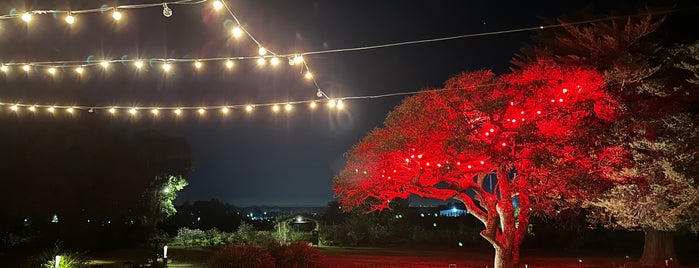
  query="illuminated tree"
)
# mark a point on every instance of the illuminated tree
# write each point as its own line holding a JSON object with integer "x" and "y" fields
{"x": 657, "y": 191}
{"x": 531, "y": 130}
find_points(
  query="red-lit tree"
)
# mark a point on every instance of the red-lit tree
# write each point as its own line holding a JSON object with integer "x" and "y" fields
{"x": 532, "y": 130}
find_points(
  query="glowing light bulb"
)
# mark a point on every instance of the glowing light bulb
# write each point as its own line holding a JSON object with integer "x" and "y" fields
{"x": 32, "y": 108}
{"x": 262, "y": 51}
{"x": 308, "y": 75}
{"x": 197, "y": 64}
{"x": 237, "y": 32}
{"x": 469, "y": 166}
{"x": 492, "y": 130}
{"x": 538, "y": 112}
{"x": 27, "y": 17}
{"x": 155, "y": 111}
{"x": 70, "y": 110}
{"x": 565, "y": 90}
{"x": 487, "y": 133}
{"x": 298, "y": 59}
{"x": 178, "y": 111}
{"x": 313, "y": 105}
{"x": 112, "y": 110}
{"x": 340, "y": 105}
{"x": 218, "y": 5}
{"x": 275, "y": 108}
{"x": 287, "y": 107}
{"x": 224, "y": 110}
{"x": 331, "y": 103}
{"x": 52, "y": 70}
{"x": 14, "y": 107}
{"x": 26, "y": 67}
{"x": 229, "y": 64}
{"x": 79, "y": 70}
{"x": 3, "y": 68}
{"x": 132, "y": 111}
{"x": 116, "y": 15}
{"x": 248, "y": 108}
{"x": 104, "y": 64}
{"x": 504, "y": 144}
{"x": 51, "y": 109}
{"x": 201, "y": 111}
{"x": 482, "y": 162}
{"x": 70, "y": 19}
{"x": 166, "y": 67}
{"x": 274, "y": 61}
{"x": 560, "y": 100}
{"x": 261, "y": 61}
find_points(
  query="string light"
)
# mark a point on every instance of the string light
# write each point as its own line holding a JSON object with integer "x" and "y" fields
{"x": 32, "y": 108}
{"x": 112, "y": 110}
{"x": 27, "y": 17}
{"x": 14, "y": 107}
{"x": 178, "y": 111}
{"x": 218, "y": 5}
{"x": 154, "y": 111}
{"x": 262, "y": 51}
{"x": 313, "y": 105}
{"x": 308, "y": 75}
{"x": 51, "y": 109}
{"x": 224, "y": 110}
{"x": 287, "y": 107}
{"x": 237, "y": 32}
{"x": 275, "y": 108}
{"x": 52, "y": 70}
{"x": 298, "y": 59}
{"x": 70, "y": 110}
{"x": 3, "y": 68}
{"x": 261, "y": 61}
{"x": 274, "y": 61}
{"x": 70, "y": 19}
{"x": 229, "y": 64}
{"x": 248, "y": 108}
{"x": 116, "y": 14}
{"x": 26, "y": 67}
{"x": 132, "y": 111}
{"x": 340, "y": 104}
{"x": 104, "y": 64}
{"x": 166, "y": 67}
{"x": 138, "y": 64}
{"x": 79, "y": 70}
{"x": 201, "y": 111}
{"x": 197, "y": 64}
{"x": 331, "y": 103}
{"x": 167, "y": 12}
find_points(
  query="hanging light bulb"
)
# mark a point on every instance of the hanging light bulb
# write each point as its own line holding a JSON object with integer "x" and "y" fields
{"x": 201, "y": 111}
{"x": 224, "y": 110}
{"x": 287, "y": 107}
{"x": 138, "y": 64}
{"x": 167, "y": 12}
{"x": 229, "y": 64}
{"x": 70, "y": 110}
{"x": 4, "y": 68}
{"x": 104, "y": 64}
{"x": 237, "y": 32}
{"x": 565, "y": 90}
{"x": 166, "y": 67}
{"x": 116, "y": 14}
{"x": 79, "y": 69}
{"x": 51, "y": 109}
{"x": 154, "y": 111}
{"x": 308, "y": 75}
{"x": 26, "y": 67}
{"x": 112, "y": 110}
{"x": 32, "y": 108}
{"x": 313, "y": 105}
{"x": 248, "y": 108}
{"x": 178, "y": 111}
{"x": 261, "y": 61}
{"x": 298, "y": 59}
{"x": 262, "y": 51}
{"x": 218, "y": 5}
{"x": 132, "y": 111}
{"x": 52, "y": 70}
{"x": 275, "y": 108}
{"x": 70, "y": 19}
{"x": 197, "y": 64}
{"x": 340, "y": 105}
{"x": 27, "y": 17}
{"x": 274, "y": 61}
{"x": 331, "y": 103}
{"x": 14, "y": 107}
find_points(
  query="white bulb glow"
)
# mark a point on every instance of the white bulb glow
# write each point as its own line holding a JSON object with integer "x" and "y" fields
{"x": 27, "y": 17}
{"x": 70, "y": 110}
{"x": 313, "y": 105}
{"x": 261, "y": 61}
{"x": 112, "y": 110}
{"x": 340, "y": 105}
{"x": 248, "y": 108}
{"x": 132, "y": 111}
{"x": 274, "y": 61}
{"x": 3, "y": 68}
{"x": 52, "y": 70}
{"x": 166, "y": 67}
{"x": 287, "y": 107}
{"x": 275, "y": 108}
{"x": 155, "y": 111}
{"x": 51, "y": 109}
{"x": 116, "y": 15}
{"x": 229, "y": 64}
{"x": 26, "y": 67}
{"x": 138, "y": 64}
{"x": 237, "y": 32}
{"x": 308, "y": 75}
{"x": 262, "y": 51}
{"x": 218, "y": 5}
{"x": 201, "y": 111}
{"x": 79, "y": 70}
{"x": 331, "y": 103}
{"x": 298, "y": 59}
{"x": 14, "y": 107}
{"x": 70, "y": 19}
{"x": 224, "y": 110}
{"x": 178, "y": 111}
{"x": 104, "y": 64}
{"x": 32, "y": 108}
{"x": 197, "y": 64}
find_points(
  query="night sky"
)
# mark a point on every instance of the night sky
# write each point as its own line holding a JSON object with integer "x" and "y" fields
{"x": 263, "y": 158}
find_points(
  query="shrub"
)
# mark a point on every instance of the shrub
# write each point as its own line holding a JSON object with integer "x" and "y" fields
{"x": 47, "y": 258}
{"x": 189, "y": 237}
{"x": 241, "y": 257}
{"x": 298, "y": 254}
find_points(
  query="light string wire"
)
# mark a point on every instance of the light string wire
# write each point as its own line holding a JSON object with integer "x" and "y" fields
{"x": 103, "y": 8}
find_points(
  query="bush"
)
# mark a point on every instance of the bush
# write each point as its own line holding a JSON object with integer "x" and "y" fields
{"x": 241, "y": 257}
{"x": 296, "y": 255}
{"x": 47, "y": 258}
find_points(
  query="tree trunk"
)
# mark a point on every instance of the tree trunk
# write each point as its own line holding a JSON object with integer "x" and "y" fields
{"x": 503, "y": 258}
{"x": 658, "y": 247}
